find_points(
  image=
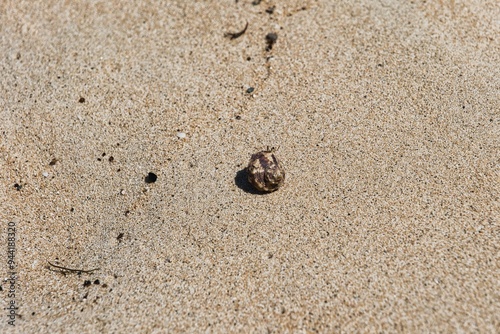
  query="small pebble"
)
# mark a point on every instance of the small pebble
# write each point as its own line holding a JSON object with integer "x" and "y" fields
{"x": 265, "y": 172}
{"x": 181, "y": 135}
{"x": 250, "y": 90}
{"x": 151, "y": 178}
{"x": 45, "y": 174}
{"x": 271, "y": 39}
{"x": 270, "y": 10}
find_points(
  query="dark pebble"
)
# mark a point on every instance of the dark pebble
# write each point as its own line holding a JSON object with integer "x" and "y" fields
{"x": 271, "y": 38}
{"x": 151, "y": 178}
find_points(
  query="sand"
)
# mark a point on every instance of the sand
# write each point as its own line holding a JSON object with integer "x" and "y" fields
{"x": 385, "y": 115}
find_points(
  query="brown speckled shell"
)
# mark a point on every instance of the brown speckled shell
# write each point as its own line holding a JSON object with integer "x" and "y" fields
{"x": 265, "y": 172}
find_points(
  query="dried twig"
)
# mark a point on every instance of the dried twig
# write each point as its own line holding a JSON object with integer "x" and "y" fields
{"x": 234, "y": 35}
{"x": 88, "y": 271}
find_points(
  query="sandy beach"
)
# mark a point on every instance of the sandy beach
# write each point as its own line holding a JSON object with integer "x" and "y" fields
{"x": 126, "y": 128}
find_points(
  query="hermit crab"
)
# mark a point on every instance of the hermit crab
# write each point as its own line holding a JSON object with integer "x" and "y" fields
{"x": 265, "y": 172}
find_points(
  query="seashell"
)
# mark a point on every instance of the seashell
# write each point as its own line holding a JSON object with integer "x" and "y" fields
{"x": 265, "y": 172}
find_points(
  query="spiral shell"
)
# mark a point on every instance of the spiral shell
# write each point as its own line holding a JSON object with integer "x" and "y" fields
{"x": 265, "y": 172}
